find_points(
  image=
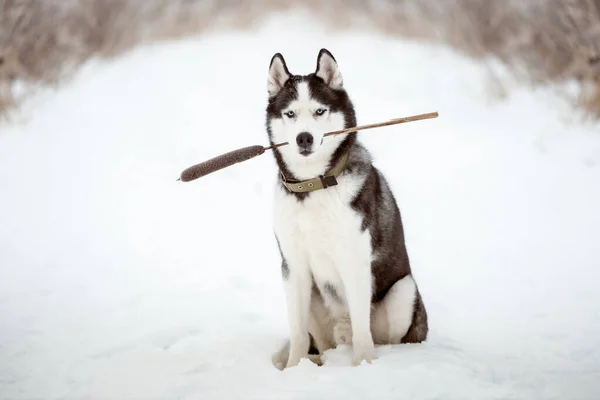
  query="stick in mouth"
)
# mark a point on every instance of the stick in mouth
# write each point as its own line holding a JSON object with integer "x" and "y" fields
{"x": 246, "y": 153}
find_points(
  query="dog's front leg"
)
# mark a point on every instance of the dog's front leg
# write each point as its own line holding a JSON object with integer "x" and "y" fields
{"x": 356, "y": 276}
{"x": 298, "y": 287}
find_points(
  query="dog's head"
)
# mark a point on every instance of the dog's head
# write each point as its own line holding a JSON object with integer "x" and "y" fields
{"x": 304, "y": 107}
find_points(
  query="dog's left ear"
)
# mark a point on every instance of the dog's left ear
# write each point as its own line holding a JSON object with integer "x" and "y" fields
{"x": 328, "y": 70}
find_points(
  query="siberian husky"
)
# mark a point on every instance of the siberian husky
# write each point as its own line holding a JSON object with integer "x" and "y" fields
{"x": 345, "y": 267}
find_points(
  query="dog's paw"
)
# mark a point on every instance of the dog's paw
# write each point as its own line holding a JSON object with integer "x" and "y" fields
{"x": 364, "y": 352}
{"x": 293, "y": 362}
{"x": 316, "y": 358}
{"x": 295, "y": 358}
{"x": 280, "y": 358}
{"x": 298, "y": 349}
{"x": 342, "y": 332}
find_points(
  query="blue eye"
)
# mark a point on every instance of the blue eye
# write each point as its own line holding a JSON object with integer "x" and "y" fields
{"x": 320, "y": 112}
{"x": 290, "y": 114}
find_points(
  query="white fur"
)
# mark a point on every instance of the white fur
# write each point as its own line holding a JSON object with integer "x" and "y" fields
{"x": 327, "y": 69}
{"x": 342, "y": 332}
{"x": 393, "y": 316}
{"x": 390, "y": 319}
{"x": 278, "y": 75}
{"x": 322, "y": 236}
{"x": 321, "y": 325}
{"x": 287, "y": 129}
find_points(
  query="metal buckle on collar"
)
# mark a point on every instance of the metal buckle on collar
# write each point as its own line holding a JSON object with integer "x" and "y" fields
{"x": 328, "y": 181}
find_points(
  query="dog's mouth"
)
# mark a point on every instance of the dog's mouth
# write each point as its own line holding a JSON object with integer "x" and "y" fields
{"x": 305, "y": 152}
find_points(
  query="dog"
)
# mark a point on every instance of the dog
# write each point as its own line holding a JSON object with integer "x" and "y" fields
{"x": 345, "y": 266}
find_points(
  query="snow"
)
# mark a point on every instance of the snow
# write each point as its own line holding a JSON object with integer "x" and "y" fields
{"x": 118, "y": 282}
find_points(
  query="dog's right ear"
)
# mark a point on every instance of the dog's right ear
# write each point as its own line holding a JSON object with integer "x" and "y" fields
{"x": 278, "y": 74}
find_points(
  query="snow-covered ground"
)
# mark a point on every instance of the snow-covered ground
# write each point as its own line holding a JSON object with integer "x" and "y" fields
{"x": 118, "y": 282}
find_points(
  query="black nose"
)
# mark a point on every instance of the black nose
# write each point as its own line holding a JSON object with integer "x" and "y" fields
{"x": 304, "y": 139}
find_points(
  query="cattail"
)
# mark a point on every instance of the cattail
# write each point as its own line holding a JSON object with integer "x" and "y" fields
{"x": 220, "y": 162}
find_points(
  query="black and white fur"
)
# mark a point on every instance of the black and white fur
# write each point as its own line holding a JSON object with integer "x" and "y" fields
{"x": 345, "y": 266}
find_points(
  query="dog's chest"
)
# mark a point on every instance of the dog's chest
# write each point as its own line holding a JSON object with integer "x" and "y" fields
{"x": 322, "y": 232}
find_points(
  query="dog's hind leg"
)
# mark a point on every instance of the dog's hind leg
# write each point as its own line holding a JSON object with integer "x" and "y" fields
{"x": 401, "y": 316}
{"x": 419, "y": 327}
{"x": 320, "y": 325}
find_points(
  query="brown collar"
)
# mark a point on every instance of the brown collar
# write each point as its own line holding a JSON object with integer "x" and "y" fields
{"x": 321, "y": 182}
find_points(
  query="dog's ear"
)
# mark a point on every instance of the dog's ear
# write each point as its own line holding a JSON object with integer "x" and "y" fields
{"x": 278, "y": 74}
{"x": 328, "y": 70}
